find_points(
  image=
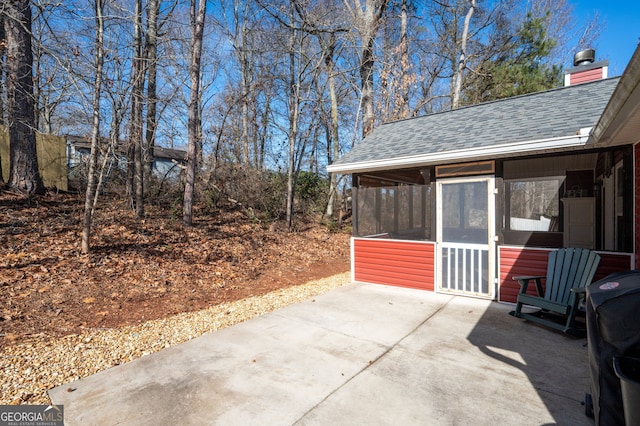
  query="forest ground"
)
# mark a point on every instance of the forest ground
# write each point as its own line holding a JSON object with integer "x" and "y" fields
{"x": 141, "y": 270}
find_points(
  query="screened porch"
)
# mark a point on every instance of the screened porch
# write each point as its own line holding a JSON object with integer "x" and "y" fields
{"x": 535, "y": 204}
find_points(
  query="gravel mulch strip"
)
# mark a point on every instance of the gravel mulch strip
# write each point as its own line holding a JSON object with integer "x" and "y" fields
{"x": 30, "y": 369}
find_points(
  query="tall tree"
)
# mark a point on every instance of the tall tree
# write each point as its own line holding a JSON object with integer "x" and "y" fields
{"x": 322, "y": 20}
{"x": 2, "y": 50}
{"x": 328, "y": 43}
{"x": 23, "y": 174}
{"x": 521, "y": 68}
{"x": 463, "y": 38}
{"x": 51, "y": 85}
{"x": 367, "y": 18}
{"x": 246, "y": 32}
{"x": 458, "y": 74}
{"x": 197, "y": 15}
{"x": 243, "y": 51}
{"x": 151, "y": 57}
{"x": 405, "y": 79}
{"x": 299, "y": 78}
{"x": 295, "y": 87}
{"x": 92, "y": 184}
{"x": 137, "y": 99}
{"x": 397, "y": 73}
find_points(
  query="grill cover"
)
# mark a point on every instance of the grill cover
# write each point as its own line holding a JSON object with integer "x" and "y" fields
{"x": 613, "y": 329}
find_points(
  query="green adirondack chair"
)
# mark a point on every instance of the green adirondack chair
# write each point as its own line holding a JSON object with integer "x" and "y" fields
{"x": 569, "y": 272}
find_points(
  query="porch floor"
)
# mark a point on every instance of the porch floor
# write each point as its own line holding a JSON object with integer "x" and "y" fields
{"x": 361, "y": 354}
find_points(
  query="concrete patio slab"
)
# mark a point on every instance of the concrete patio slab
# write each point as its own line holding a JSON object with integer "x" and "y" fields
{"x": 361, "y": 354}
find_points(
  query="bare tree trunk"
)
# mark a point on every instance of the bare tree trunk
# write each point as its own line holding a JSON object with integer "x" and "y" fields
{"x": 23, "y": 170}
{"x": 294, "y": 101}
{"x": 197, "y": 31}
{"x": 136, "y": 111}
{"x": 2, "y": 85}
{"x": 240, "y": 36}
{"x": 462, "y": 61}
{"x": 263, "y": 133}
{"x": 91, "y": 193}
{"x": 114, "y": 140}
{"x": 130, "y": 181}
{"x": 366, "y": 78}
{"x": 405, "y": 84}
{"x": 244, "y": 70}
{"x": 2, "y": 76}
{"x": 367, "y": 21}
{"x": 153, "y": 9}
{"x": 37, "y": 96}
{"x": 333, "y": 144}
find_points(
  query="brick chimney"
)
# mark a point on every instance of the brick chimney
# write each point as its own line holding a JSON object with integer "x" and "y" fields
{"x": 585, "y": 68}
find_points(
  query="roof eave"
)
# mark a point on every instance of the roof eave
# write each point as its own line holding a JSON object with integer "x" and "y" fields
{"x": 620, "y": 120}
{"x": 514, "y": 149}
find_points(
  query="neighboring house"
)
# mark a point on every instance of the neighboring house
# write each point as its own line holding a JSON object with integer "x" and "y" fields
{"x": 166, "y": 161}
{"x": 460, "y": 201}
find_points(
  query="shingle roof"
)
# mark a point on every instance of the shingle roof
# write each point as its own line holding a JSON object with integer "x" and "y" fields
{"x": 556, "y": 113}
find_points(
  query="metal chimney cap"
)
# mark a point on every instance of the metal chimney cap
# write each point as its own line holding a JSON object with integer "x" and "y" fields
{"x": 584, "y": 57}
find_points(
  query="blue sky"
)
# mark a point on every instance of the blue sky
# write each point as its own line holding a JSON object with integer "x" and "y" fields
{"x": 619, "y": 33}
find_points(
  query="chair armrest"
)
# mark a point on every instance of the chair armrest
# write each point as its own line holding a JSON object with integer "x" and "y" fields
{"x": 524, "y": 283}
{"x": 527, "y": 277}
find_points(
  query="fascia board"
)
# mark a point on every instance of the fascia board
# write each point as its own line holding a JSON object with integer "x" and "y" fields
{"x": 468, "y": 154}
{"x": 622, "y": 106}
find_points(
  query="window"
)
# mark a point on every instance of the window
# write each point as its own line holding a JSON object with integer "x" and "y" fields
{"x": 533, "y": 204}
{"x": 401, "y": 212}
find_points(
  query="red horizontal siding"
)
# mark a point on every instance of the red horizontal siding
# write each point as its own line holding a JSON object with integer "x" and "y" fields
{"x": 392, "y": 262}
{"x": 613, "y": 262}
{"x": 519, "y": 261}
{"x": 586, "y": 76}
{"x": 516, "y": 261}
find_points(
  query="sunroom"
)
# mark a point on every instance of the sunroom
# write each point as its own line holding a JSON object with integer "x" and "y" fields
{"x": 461, "y": 201}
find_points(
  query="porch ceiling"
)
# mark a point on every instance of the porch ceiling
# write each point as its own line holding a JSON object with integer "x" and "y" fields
{"x": 620, "y": 121}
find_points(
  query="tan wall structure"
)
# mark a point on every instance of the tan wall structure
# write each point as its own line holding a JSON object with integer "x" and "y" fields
{"x": 52, "y": 158}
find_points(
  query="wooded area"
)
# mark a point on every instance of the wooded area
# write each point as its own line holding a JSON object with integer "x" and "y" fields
{"x": 142, "y": 270}
{"x": 257, "y": 91}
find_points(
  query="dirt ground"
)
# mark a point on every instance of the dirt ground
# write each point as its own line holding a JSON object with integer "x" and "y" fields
{"x": 141, "y": 270}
